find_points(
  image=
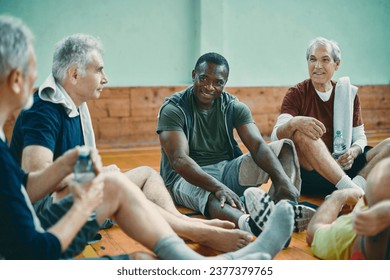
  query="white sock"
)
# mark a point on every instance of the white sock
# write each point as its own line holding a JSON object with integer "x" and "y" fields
{"x": 243, "y": 223}
{"x": 345, "y": 182}
{"x": 360, "y": 181}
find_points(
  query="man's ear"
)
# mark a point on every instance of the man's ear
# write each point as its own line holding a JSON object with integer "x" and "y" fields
{"x": 193, "y": 75}
{"x": 15, "y": 80}
{"x": 337, "y": 65}
{"x": 73, "y": 74}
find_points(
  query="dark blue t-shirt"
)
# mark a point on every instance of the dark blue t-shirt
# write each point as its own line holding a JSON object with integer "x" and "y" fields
{"x": 19, "y": 237}
{"x": 46, "y": 124}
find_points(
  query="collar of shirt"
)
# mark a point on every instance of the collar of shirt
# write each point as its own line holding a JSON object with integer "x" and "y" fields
{"x": 53, "y": 92}
{"x": 325, "y": 96}
{"x": 2, "y": 135}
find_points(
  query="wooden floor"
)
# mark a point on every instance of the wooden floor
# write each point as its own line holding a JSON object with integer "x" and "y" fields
{"x": 114, "y": 241}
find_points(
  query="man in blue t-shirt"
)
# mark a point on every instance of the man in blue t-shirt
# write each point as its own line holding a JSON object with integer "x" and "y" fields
{"x": 26, "y": 235}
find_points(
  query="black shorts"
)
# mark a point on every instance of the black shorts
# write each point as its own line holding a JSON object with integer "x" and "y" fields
{"x": 50, "y": 215}
{"x": 314, "y": 184}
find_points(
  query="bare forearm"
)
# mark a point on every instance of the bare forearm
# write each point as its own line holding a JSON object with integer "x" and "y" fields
{"x": 326, "y": 214}
{"x": 193, "y": 173}
{"x": 46, "y": 181}
{"x": 356, "y": 151}
{"x": 330, "y": 208}
{"x": 286, "y": 130}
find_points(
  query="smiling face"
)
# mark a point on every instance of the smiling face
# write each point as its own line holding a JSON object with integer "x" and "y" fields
{"x": 322, "y": 67}
{"x": 209, "y": 82}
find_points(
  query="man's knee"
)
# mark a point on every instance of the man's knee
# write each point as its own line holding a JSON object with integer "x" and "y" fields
{"x": 115, "y": 184}
{"x": 146, "y": 172}
{"x": 300, "y": 138}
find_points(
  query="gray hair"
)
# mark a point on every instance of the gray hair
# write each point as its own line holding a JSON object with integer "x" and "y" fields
{"x": 73, "y": 50}
{"x": 336, "y": 53}
{"x": 15, "y": 40}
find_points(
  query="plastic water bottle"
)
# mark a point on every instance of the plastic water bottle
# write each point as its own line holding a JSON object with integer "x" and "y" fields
{"x": 339, "y": 147}
{"x": 83, "y": 168}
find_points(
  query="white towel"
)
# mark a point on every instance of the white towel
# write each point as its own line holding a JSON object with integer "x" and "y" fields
{"x": 53, "y": 92}
{"x": 345, "y": 94}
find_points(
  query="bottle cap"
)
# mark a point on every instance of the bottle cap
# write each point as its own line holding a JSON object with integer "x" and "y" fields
{"x": 84, "y": 151}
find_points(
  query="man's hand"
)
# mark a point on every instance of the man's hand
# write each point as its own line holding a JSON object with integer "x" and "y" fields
{"x": 88, "y": 195}
{"x": 225, "y": 195}
{"x": 346, "y": 160}
{"x": 309, "y": 126}
{"x": 352, "y": 195}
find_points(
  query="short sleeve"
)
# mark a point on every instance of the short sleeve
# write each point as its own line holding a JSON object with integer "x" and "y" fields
{"x": 171, "y": 118}
{"x": 334, "y": 241}
{"x": 242, "y": 114}
{"x": 290, "y": 104}
{"x": 40, "y": 126}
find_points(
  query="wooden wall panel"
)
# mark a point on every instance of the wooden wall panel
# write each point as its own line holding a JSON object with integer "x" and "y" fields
{"x": 127, "y": 116}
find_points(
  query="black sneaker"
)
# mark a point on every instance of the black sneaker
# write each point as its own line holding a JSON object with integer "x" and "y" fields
{"x": 259, "y": 206}
{"x": 302, "y": 216}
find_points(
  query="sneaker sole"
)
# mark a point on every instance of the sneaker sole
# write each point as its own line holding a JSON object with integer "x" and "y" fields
{"x": 302, "y": 217}
{"x": 259, "y": 205}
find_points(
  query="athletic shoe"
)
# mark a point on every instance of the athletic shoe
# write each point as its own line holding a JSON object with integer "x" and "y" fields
{"x": 302, "y": 216}
{"x": 259, "y": 206}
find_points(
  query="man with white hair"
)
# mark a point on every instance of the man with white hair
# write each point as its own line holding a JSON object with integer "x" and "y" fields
{"x": 311, "y": 113}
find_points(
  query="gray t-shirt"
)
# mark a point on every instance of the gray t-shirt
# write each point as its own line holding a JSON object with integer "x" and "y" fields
{"x": 209, "y": 143}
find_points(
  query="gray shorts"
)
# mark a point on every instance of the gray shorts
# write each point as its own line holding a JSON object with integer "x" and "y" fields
{"x": 237, "y": 174}
{"x": 50, "y": 215}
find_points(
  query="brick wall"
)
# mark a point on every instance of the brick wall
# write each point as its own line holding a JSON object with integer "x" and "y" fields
{"x": 127, "y": 116}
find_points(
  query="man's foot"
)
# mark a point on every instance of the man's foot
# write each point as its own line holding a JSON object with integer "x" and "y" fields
{"x": 302, "y": 216}
{"x": 259, "y": 206}
{"x": 223, "y": 240}
{"x": 215, "y": 222}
